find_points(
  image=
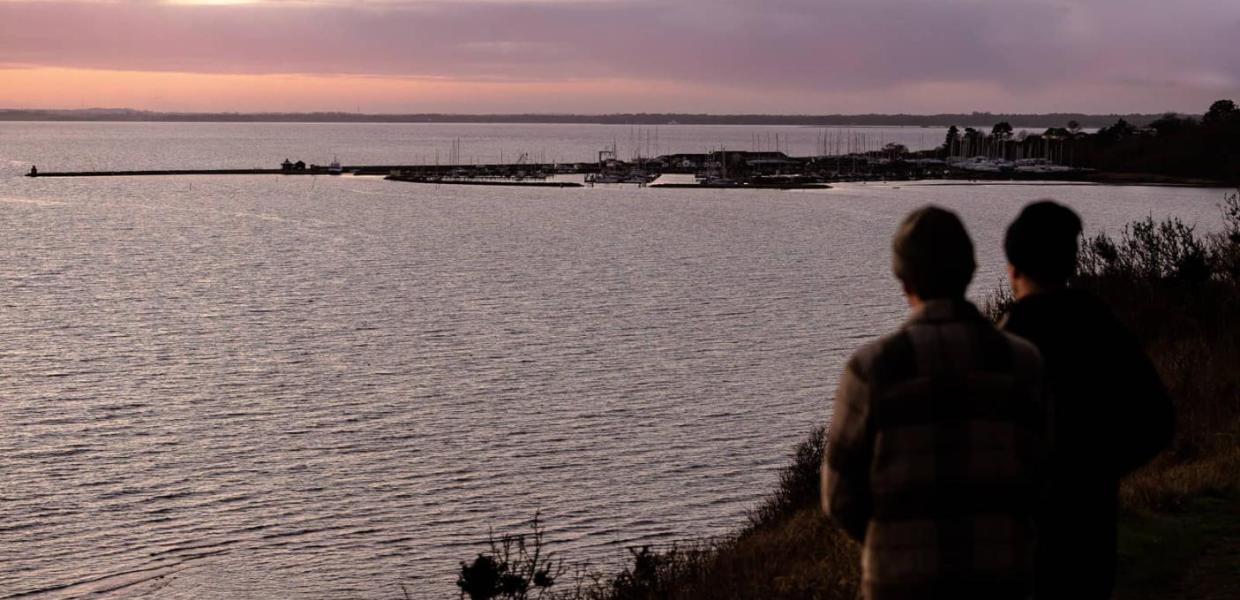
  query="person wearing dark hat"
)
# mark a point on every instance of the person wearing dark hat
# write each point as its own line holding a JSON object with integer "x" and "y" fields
{"x": 1111, "y": 413}
{"x": 937, "y": 438}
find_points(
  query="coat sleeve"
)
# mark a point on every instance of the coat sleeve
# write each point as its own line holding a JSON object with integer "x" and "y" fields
{"x": 846, "y": 493}
{"x": 1146, "y": 414}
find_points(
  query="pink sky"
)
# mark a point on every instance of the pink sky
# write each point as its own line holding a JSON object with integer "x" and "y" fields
{"x": 596, "y": 56}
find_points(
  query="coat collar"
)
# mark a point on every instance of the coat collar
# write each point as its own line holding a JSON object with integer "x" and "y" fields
{"x": 945, "y": 309}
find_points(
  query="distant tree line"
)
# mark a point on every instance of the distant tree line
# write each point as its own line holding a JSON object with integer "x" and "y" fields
{"x": 862, "y": 120}
{"x": 1205, "y": 147}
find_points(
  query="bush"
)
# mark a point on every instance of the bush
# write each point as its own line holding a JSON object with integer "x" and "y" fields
{"x": 1148, "y": 251}
{"x": 998, "y": 302}
{"x": 799, "y": 482}
{"x": 802, "y": 555}
{"x": 1225, "y": 245}
{"x": 515, "y": 568}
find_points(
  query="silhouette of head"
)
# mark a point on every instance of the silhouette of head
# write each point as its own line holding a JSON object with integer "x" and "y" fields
{"x": 932, "y": 254}
{"x": 1042, "y": 242}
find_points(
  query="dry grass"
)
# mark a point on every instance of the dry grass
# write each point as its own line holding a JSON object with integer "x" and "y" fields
{"x": 803, "y": 556}
{"x": 789, "y": 550}
{"x": 1168, "y": 484}
{"x": 1199, "y": 366}
{"x": 1192, "y": 334}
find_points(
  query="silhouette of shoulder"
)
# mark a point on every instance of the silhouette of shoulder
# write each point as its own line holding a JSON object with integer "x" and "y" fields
{"x": 954, "y": 339}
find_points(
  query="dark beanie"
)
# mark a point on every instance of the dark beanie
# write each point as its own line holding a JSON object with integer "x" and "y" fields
{"x": 1042, "y": 242}
{"x": 932, "y": 254}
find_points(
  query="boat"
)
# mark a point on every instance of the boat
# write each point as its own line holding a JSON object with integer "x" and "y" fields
{"x": 334, "y": 168}
{"x": 1041, "y": 166}
{"x": 983, "y": 164}
{"x": 593, "y": 178}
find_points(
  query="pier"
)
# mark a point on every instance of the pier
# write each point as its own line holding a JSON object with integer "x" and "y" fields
{"x": 163, "y": 172}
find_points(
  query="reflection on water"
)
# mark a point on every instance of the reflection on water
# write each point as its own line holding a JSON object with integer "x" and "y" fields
{"x": 254, "y": 387}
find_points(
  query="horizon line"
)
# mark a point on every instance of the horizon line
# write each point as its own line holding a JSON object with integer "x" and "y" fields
{"x": 143, "y": 111}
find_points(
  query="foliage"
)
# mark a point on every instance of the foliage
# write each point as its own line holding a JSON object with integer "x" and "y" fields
{"x": 1226, "y": 243}
{"x": 952, "y": 140}
{"x": 895, "y": 150}
{"x": 516, "y": 568}
{"x": 1167, "y": 251}
{"x": 654, "y": 574}
{"x": 1206, "y": 147}
{"x": 1149, "y": 251}
{"x": 1221, "y": 111}
{"x": 998, "y": 302}
{"x": 799, "y": 481}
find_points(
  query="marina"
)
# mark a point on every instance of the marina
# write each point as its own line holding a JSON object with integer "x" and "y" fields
{"x": 721, "y": 169}
{"x": 494, "y": 182}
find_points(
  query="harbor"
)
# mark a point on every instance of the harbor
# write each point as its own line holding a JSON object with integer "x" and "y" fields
{"x": 836, "y": 158}
{"x": 722, "y": 169}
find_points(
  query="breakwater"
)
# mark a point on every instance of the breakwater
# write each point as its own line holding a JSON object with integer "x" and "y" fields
{"x": 492, "y": 170}
{"x": 165, "y": 172}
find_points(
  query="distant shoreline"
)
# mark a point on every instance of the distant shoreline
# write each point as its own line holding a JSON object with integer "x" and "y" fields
{"x": 985, "y": 119}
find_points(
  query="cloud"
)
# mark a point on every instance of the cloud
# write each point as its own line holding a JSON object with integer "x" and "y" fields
{"x": 811, "y": 47}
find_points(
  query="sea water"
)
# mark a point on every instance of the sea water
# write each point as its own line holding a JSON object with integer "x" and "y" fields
{"x": 327, "y": 387}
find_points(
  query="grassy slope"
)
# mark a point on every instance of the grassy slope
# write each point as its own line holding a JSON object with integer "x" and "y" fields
{"x": 1191, "y": 553}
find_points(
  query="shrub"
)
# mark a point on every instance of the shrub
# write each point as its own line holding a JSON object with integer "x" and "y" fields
{"x": 673, "y": 572}
{"x": 1148, "y": 251}
{"x": 1225, "y": 245}
{"x": 998, "y": 302}
{"x": 799, "y": 481}
{"x": 515, "y": 568}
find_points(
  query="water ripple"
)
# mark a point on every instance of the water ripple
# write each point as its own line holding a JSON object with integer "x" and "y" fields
{"x": 270, "y": 387}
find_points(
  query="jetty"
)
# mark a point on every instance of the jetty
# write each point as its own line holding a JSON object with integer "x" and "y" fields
{"x": 454, "y": 171}
{"x": 153, "y": 172}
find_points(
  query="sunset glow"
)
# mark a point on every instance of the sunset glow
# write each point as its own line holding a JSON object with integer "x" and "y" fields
{"x": 787, "y": 56}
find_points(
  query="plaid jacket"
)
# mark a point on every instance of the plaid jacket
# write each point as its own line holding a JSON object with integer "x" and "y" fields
{"x": 934, "y": 457}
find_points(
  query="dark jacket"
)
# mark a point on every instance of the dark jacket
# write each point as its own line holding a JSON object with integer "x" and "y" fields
{"x": 934, "y": 454}
{"x": 1111, "y": 414}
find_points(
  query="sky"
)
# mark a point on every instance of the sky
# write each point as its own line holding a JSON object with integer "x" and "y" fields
{"x": 605, "y": 56}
